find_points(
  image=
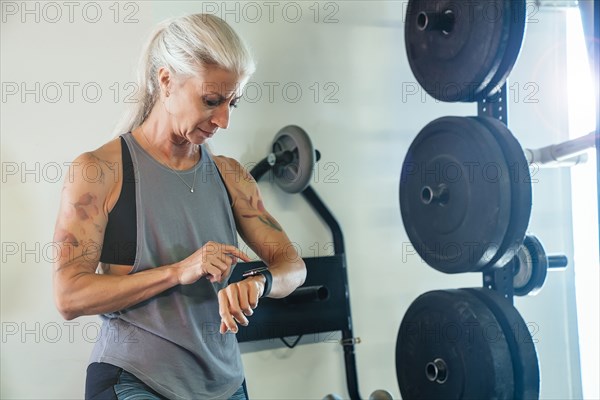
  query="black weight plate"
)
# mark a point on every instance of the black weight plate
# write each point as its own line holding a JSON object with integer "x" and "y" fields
{"x": 295, "y": 176}
{"x": 462, "y": 229}
{"x": 517, "y": 22}
{"x": 455, "y": 48}
{"x": 524, "y": 356}
{"x": 450, "y": 346}
{"x": 532, "y": 267}
{"x": 519, "y": 180}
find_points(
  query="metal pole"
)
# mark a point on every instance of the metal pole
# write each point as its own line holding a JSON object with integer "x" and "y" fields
{"x": 562, "y": 154}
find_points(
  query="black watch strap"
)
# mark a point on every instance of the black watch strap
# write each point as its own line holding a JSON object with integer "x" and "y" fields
{"x": 264, "y": 271}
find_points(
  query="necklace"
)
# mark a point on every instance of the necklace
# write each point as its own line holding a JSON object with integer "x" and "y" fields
{"x": 168, "y": 166}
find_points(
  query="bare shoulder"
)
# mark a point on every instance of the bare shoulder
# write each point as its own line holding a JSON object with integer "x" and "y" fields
{"x": 97, "y": 172}
{"x": 234, "y": 173}
{"x": 108, "y": 156}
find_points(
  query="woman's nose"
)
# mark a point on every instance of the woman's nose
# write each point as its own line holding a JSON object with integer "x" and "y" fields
{"x": 220, "y": 116}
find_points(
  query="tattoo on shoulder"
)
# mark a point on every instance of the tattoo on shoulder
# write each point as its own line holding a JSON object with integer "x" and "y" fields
{"x": 247, "y": 176}
{"x": 101, "y": 167}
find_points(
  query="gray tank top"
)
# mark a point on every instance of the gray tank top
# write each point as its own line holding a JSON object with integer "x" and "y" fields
{"x": 172, "y": 341}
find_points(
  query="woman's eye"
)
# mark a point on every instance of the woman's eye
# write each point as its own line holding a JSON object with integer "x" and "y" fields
{"x": 211, "y": 102}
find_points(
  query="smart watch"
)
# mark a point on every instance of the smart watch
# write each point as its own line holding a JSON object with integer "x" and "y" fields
{"x": 264, "y": 271}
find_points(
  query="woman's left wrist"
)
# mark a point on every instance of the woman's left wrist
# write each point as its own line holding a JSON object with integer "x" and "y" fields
{"x": 264, "y": 276}
{"x": 262, "y": 281}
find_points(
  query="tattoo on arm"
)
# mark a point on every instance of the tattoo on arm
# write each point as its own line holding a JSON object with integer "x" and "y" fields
{"x": 72, "y": 250}
{"x": 265, "y": 219}
{"x": 253, "y": 208}
{"x": 66, "y": 237}
{"x": 86, "y": 209}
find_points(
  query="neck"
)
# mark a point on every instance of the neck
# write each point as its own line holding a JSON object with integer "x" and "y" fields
{"x": 170, "y": 149}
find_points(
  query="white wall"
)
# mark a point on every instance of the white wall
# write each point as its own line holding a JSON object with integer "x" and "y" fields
{"x": 363, "y": 138}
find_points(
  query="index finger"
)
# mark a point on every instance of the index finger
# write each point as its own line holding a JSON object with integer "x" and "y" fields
{"x": 234, "y": 251}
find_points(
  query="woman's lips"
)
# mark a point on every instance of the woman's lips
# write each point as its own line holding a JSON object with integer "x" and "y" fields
{"x": 206, "y": 133}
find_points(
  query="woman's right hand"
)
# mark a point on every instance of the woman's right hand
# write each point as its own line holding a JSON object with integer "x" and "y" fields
{"x": 213, "y": 261}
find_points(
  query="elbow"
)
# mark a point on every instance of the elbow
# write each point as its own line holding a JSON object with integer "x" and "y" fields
{"x": 68, "y": 296}
{"x": 301, "y": 272}
{"x": 65, "y": 310}
{"x": 68, "y": 316}
{"x": 65, "y": 306}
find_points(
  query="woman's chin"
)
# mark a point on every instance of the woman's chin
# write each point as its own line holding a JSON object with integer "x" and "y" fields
{"x": 198, "y": 140}
{"x": 198, "y": 136}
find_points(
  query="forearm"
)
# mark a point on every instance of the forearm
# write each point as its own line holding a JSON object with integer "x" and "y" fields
{"x": 287, "y": 276}
{"x": 89, "y": 293}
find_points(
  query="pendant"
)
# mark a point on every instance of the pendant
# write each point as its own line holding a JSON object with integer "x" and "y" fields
{"x": 191, "y": 190}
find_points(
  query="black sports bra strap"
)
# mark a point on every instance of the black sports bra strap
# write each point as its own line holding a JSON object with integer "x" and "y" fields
{"x": 120, "y": 238}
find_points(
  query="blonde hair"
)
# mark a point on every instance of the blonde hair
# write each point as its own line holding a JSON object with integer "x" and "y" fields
{"x": 184, "y": 45}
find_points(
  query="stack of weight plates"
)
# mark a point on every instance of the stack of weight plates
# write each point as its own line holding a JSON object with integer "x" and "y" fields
{"x": 465, "y": 199}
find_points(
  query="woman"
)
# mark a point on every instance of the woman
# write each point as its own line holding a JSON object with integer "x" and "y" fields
{"x": 149, "y": 244}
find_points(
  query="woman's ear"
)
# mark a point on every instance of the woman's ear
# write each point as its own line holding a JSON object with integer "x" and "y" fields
{"x": 164, "y": 80}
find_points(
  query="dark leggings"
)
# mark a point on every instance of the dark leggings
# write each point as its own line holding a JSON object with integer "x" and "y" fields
{"x": 102, "y": 380}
